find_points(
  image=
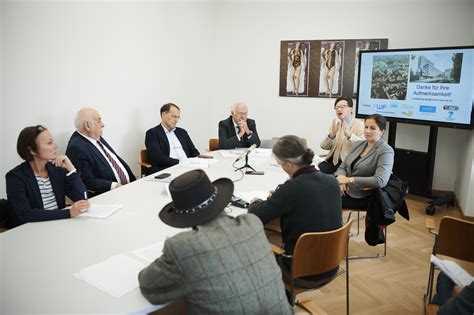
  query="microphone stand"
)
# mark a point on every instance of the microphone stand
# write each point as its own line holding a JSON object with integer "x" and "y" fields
{"x": 246, "y": 165}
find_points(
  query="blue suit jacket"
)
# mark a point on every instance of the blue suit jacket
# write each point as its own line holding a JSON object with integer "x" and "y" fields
{"x": 25, "y": 198}
{"x": 158, "y": 147}
{"x": 96, "y": 172}
{"x": 228, "y": 139}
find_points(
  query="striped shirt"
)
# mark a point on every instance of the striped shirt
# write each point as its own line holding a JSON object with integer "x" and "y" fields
{"x": 47, "y": 193}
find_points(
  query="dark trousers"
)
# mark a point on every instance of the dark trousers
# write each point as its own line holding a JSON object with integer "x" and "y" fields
{"x": 327, "y": 167}
{"x": 355, "y": 203}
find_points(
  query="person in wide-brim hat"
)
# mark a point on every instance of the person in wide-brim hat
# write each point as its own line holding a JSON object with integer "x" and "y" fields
{"x": 195, "y": 199}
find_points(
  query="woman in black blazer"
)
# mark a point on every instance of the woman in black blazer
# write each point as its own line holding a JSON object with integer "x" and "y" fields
{"x": 36, "y": 188}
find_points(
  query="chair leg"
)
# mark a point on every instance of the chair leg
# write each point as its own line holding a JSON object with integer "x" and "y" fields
{"x": 347, "y": 281}
{"x": 378, "y": 255}
{"x": 358, "y": 222}
{"x": 429, "y": 289}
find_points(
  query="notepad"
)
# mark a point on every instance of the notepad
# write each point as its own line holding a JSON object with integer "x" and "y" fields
{"x": 117, "y": 275}
{"x": 455, "y": 272}
{"x": 100, "y": 211}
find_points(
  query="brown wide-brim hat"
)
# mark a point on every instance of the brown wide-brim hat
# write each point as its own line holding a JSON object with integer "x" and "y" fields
{"x": 195, "y": 199}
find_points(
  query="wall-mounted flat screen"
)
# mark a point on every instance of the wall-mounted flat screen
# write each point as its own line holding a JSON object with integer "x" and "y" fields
{"x": 430, "y": 86}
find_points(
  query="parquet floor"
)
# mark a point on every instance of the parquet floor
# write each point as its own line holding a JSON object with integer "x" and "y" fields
{"x": 394, "y": 284}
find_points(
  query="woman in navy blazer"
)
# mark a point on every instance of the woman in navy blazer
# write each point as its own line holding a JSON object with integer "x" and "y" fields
{"x": 37, "y": 147}
{"x": 368, "y": 165}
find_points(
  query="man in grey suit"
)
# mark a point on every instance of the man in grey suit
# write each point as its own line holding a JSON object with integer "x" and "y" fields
{"x": 238, "y": 131}
{"x": 223, "y": 265}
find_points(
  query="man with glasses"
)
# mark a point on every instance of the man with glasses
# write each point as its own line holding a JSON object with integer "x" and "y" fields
{"x": 100, "y": 167}
{"x": 344, "y": 131}
{"x": 167, "y": 144}
{"x": 238, "y": 131}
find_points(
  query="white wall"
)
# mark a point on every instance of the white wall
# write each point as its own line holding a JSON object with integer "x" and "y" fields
{"x": 464, "y": 187}
{"x": 126, "y": 59}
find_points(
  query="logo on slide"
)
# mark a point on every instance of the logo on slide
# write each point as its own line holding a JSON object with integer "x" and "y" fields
{"x": 427, "y": 109}
{"x": 450, "y": 107}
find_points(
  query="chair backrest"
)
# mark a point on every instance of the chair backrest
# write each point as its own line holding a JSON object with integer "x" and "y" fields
{"x": 144, "y": 156}
{"x": 4, "y": 214}
{"x": 453, "y": 239}
{"x": 213, "y": 144}
{"x": 275, "y": 139}
{"x": 319, "y": 252}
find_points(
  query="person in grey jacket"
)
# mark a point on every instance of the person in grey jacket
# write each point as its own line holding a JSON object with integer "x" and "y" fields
{"x": 223, "y": 265}
{"x": 368, "y": 165}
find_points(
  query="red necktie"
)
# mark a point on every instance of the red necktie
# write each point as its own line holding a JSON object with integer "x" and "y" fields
{"x": 123, "y": 178}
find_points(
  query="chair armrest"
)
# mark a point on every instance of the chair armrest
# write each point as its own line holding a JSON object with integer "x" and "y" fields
{"x": 431, "y": 226}
{"x": 277, "y": 250}
{"x": 144, "y": 164}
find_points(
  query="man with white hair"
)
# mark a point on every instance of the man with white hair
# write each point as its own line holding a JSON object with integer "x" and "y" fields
{"x": 238, "y": 131}
{"x": 100, "y": 167}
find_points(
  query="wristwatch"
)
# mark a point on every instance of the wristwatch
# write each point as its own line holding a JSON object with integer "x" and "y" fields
{"x": 351, "y": 180}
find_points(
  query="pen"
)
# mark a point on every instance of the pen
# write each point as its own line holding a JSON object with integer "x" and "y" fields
{"x": 85, "y": 198}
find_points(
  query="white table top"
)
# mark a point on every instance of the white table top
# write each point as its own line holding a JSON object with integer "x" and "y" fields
{"x": 39, "y": 260}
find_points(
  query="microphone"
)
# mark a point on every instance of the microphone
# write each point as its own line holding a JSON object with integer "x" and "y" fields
{"x": 245, "y": 152}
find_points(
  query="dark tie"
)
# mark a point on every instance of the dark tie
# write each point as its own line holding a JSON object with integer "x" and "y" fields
{"x": 123, "y": 178}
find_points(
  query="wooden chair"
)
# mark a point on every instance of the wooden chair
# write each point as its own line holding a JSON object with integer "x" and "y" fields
{"x": 316, "y": 253}
{"x": 4, "y": 215}
{"x": 144, "y": 164}
{"x": 275, "y": 139}
{"x": 213, "y": 144}
{"x": 452, "y": 240}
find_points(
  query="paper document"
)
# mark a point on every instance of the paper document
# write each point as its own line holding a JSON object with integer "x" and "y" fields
{"x": 455, "y": 272}
{"x": 100, "y": 211}
{"x": 261, "y": 153}
{"x": 249, "y": 195}
{"x": 116, "y": 275}
{"x": 230, "y": 153}
{"x": 150, "y": 253}
{"x": 197, "y": 163}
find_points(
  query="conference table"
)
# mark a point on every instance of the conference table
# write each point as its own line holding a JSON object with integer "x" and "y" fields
{"x": 39, "y": 260}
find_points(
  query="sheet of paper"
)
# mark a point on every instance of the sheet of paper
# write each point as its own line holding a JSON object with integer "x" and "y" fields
{"x": 249, "y": 195}
{"x": 194, "y": 163}
{"x": 117, "y": 275}
{"x": 455, "y": 272}
{"x": 148, "y": 310}
{"x": 151, "y": 252}
{"x": 100, "y": 211}
{"x": 265, "y": 153}
{"x": 230, "y": 153}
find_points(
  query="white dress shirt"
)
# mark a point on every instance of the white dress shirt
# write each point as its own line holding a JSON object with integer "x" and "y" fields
{"x": 176, "y": 149}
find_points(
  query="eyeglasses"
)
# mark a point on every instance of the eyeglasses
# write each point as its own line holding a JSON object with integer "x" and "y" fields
{"x": 340, "y": 107}
{"x": 176, "y": 117}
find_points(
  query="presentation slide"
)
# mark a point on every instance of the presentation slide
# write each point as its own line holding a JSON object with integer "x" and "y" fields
{"x": 427, "y": 86}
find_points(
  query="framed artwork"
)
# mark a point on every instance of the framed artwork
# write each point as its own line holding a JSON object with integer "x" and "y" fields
{"x": 322, "y": 68}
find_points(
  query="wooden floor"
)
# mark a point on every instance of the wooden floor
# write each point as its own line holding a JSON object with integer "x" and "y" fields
{"x": 394, "y": 284}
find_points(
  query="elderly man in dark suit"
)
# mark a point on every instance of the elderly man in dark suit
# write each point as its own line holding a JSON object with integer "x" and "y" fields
{"x": 100, "y": 167}
{"x": 238, "y": 131}
{"x": 167, "y": 144}
{"x": 223, "y": 265}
